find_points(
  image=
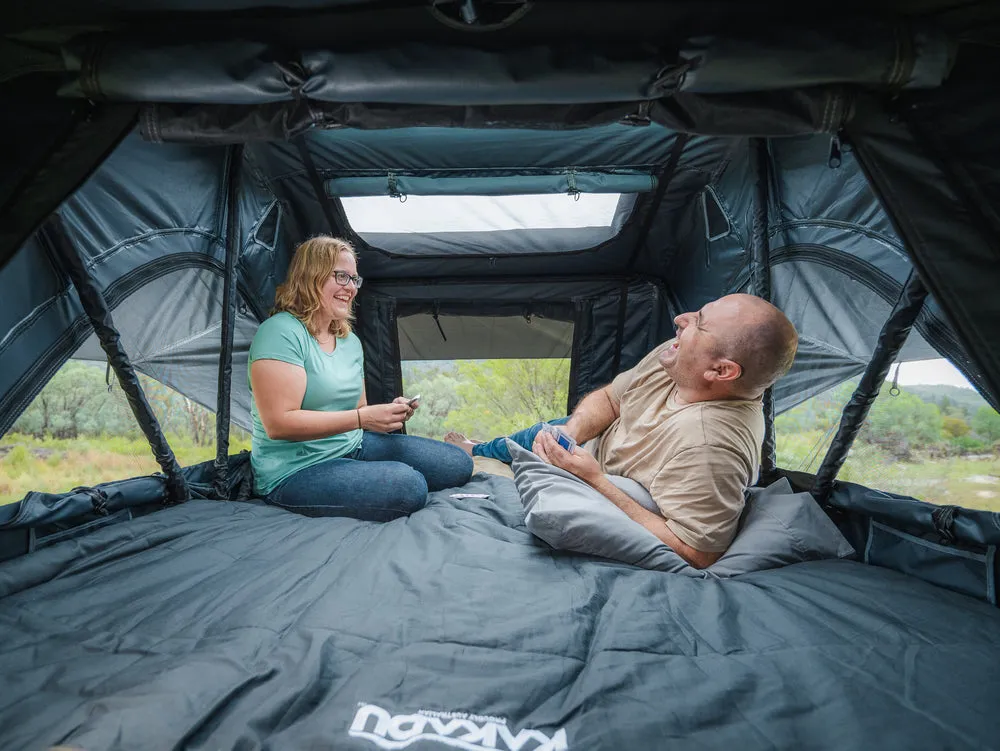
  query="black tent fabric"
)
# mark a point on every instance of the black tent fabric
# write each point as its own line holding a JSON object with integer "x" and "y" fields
{"x": 198, "y": 627}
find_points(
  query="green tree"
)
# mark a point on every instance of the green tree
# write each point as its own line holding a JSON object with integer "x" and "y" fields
{"x": 68, "y": 406}
{"x": 945, "y": 405}
{"x": 903, "y": 423}
{"x": 954, "y": 427}
{"x": 438, "y": 396}
{"x": 500, "y": 396}
{"x": 986, "y": 423}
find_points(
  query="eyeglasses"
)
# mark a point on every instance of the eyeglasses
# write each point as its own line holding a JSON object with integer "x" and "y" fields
{"x": 342, "y": 278}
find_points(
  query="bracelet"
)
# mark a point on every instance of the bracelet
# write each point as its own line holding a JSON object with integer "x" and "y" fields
{"x": 358, "y": 410}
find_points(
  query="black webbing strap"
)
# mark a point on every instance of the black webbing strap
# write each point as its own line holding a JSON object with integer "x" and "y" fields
{"x": 317, "y": 184}
{"x": 97, "y": 310}
{"x": 663, "y": 182}
{"x": 222, "y": 405}
{"x": 760, "y": 278}
{"x": 943, "y": 518}
{"x": 620, "y": 332}
{"x": 890, "y": 340}
{"x": 98, "y": 499}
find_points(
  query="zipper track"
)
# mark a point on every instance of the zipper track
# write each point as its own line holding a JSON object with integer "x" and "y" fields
{"x": 882, "y": 284}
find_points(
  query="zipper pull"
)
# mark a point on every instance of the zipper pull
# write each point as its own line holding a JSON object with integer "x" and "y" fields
{"x": 836, "y": 154}
{"x": 434, "y": 315}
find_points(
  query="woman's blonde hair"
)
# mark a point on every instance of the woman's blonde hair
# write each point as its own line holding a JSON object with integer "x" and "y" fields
{"x": 312, "y": 265}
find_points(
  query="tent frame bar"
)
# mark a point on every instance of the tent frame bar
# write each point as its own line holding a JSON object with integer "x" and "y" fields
{"x": 760, "y": 278}
{"x": 890, "y": 341}
{"x": 96, "y": 308}
{"x": 220, "y": 479}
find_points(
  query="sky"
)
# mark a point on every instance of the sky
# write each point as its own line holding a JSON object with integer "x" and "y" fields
{"x": 935, "y": 372}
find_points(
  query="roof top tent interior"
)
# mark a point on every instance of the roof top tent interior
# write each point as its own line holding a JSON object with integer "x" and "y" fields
{"x": 159, "y": 169}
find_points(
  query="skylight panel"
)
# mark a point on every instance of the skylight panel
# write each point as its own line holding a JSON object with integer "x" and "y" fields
{"x": 429, "y": 214}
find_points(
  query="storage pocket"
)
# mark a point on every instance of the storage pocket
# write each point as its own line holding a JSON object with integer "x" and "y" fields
{"x": 965, "y": 571}
{"x": 78, "y": 531}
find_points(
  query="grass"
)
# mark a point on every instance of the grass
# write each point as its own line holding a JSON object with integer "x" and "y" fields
{"x": 56, "y": 465}
{"x": 972, "y": 482}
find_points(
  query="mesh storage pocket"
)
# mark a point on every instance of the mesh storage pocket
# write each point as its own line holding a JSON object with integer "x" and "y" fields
{"x": 964, "y": 571}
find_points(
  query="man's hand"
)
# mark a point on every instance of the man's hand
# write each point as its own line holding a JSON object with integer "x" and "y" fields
{"x": 580, "y": 463}
{"x": 585, "y": 466}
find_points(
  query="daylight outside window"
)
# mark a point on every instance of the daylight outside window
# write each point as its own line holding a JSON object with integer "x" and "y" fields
{"x": 383, "y": 214}
{"x": 936, "y": 440}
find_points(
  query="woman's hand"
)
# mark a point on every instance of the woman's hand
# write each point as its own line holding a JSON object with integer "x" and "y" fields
{"x": 409, "y": 410}
{"x": 384, "y": 418}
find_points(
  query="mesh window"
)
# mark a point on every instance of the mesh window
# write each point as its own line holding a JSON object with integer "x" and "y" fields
{"x": 446, "y": 337}
{"x": 936, "y": 441}
{"x": 80, "y": 431}
{"x": 488, "y": 225}
{"x": 485, "y": 398}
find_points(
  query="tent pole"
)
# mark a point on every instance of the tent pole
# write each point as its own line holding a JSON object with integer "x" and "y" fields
{"x": 890, "y": 341}
{"x": 222, "y": 403}
{"x": 97, "y": 310}
{"x": 761, "y": 280}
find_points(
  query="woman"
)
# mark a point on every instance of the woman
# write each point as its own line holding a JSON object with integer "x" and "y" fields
{"x": 319, "y": 448}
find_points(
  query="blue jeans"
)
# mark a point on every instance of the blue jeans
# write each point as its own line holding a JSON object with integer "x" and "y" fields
{"x": 497, "y": 448}
{"x": 386, "y": 477}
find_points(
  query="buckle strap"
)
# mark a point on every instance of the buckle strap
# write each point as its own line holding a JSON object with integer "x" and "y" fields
{"x": 943, "y": 518}
{"x": 98, "y": 498}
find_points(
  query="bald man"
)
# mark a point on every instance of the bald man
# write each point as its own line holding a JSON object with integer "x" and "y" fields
{"x": 686, "y": 423}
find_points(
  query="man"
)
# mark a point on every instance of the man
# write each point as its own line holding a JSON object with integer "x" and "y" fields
{"x": 686, "y": 423}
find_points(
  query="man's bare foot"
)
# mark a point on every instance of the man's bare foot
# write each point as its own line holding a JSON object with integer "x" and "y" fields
{"x": 457, "y": 439}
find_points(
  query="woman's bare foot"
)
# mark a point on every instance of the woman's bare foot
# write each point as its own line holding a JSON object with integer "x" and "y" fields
{"x": 457, "y": 439}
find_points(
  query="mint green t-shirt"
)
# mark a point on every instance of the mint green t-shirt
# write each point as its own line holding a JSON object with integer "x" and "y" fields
{"x": 333, "y": 383}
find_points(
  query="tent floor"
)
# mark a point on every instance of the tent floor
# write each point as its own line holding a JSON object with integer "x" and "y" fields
{"x": 234, "y": 625}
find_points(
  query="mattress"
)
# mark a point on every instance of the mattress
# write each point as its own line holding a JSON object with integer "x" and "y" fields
{"x": 227, "y": 625}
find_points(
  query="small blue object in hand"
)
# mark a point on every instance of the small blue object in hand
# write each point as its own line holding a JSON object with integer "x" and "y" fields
{"x": 562, "y": 438}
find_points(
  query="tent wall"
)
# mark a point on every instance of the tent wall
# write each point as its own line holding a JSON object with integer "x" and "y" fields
{"x": 837, "y": 260}
{"x": 837, "y": 264}
{"x": 151, "y": 224}
{"x": 933, "y": 162}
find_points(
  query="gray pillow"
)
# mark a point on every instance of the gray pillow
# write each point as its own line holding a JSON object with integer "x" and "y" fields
{"x": 778, "y": 527}
{"x": 570, "y": 515}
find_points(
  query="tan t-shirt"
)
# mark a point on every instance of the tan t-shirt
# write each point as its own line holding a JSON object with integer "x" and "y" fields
{"x": 696, "y": 460}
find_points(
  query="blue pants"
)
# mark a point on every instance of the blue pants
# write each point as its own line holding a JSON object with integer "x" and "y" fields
{"x": 497, "y": 448}
{"x": 386, "y": 477}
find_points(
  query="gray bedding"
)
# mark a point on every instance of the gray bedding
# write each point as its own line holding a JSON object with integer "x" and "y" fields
{"x": 237, "y": 626}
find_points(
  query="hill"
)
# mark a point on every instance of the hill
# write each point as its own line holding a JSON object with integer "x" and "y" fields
{"x": 966, "y": 400}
